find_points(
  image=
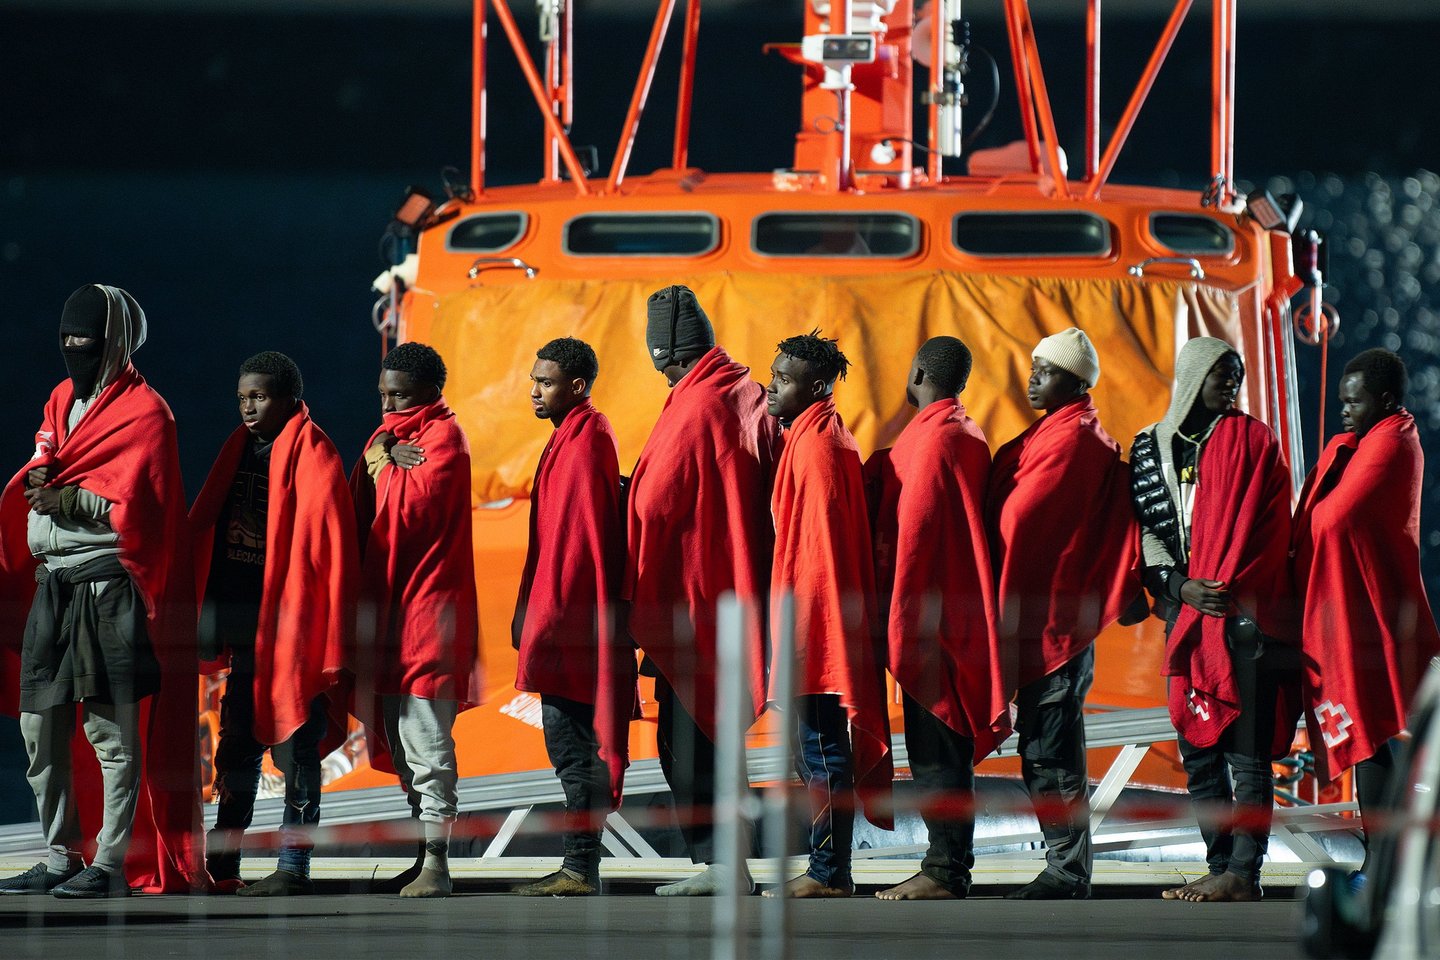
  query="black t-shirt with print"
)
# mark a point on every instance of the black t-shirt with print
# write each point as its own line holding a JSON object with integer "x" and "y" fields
{"x": 237, "y": 566}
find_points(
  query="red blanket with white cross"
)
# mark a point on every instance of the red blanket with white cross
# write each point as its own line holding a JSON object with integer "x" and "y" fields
{"x": 1368, "y": 632}
{"x": 1240, "y": 536}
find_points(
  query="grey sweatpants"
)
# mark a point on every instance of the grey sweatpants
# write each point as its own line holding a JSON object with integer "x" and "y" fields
{"x": 114, "y": 732}
{"x": 423, "y": 748}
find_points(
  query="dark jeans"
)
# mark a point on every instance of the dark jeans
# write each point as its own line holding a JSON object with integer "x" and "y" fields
{"x": 943, "y": 765}
{"x": 237, "y": 772}
{"x": 1372, "y": 783}
{"x": 827, "y": 769}
{"x": 1050, "y": 719}
{"x": 687, "y": 758}
{"x": 1243, "y": 752}
{"x": 575, "y": 753}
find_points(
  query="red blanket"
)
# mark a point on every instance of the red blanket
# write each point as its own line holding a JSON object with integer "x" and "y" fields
{"x": 305, "y": 633}
{"x": 823, "y": 556}
{"x": 934, "y": 561}
{"x": 699, "y": 525}
{"x": 418, "y": 573}
{"x": 566, "y": 624}
{"x": 1240, "y": 532}
{"x": 1368, "y": 630}
{"x": 124, "y": 450}
{"x": 1064, "y": 538}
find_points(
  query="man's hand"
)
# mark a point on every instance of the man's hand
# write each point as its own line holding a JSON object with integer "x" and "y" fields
{"x": 406, "y": 457}
{"x": 38, "y": 476}
{"x": 44, "y": 500}
{"x": 1210, "y": 597}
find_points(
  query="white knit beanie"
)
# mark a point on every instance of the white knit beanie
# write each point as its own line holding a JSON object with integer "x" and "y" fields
{"x": 1071, "y": 350}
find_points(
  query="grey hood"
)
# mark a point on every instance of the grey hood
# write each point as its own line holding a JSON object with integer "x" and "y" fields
{"x": 125, "y": 331}
{"x": 1192, "y": 366}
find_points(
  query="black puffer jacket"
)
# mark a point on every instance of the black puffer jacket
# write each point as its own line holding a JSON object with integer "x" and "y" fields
{"x": 1153, "y": 506}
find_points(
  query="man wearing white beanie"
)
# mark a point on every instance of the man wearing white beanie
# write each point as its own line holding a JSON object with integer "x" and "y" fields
{"x": 1062, "y": 575}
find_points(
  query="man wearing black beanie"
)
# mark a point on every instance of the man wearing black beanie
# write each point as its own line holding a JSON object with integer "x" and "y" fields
{"x": 677, "y": 331}
{"x": 699, "y": 525}
{"x": 94, "y": 519}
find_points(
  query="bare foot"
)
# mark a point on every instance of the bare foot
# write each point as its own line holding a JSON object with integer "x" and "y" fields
{"x": 400, "y": 881}
{"x": 1178, "y": 893}
{"x": 918, "y": 887}
{"x": 806, "y": 887}
{"x": 1222, "y": 888}
{"x": 430, "y": 883}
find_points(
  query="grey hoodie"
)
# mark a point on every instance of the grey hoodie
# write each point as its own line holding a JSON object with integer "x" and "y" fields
{"x": 1192, "y": 366}
{"x": 68, "y": 541}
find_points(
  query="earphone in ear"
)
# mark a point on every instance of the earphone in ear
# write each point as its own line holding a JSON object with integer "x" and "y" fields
{"x": 919, "y": 376}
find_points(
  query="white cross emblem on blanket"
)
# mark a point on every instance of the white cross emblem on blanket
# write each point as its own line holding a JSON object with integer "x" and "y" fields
{"x": 1334, "y": 722}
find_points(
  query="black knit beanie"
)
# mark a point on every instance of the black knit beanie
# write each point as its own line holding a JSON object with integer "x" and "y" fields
{"x": 85, "y": 313}
{"x": 676, "y": 328}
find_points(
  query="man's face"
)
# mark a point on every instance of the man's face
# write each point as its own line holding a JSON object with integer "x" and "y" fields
{"x": 793, "y": 388}
{"x": 552, "y": 394}
{"x": 1222, "y": 384}
{"x": 1051, "y": 386}
{"x": 400, "y": 392}
{"x": 675, "y": 372}
{"x": 1359, "y": 408}
{"x": 912, "y": 384}
{"x": 263, "y": 410}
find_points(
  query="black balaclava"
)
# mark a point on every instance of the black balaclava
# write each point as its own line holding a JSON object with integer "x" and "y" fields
{"x": 84, "y": 316}
{"x": 676, "y": 328}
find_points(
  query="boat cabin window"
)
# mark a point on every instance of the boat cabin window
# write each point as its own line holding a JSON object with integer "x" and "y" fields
{"x": 486, "y": 232}
{"x": 1031, "y": 234}
{"x": 642, "y": 235}
{"x": 889, "y": 235}
{"x": 1191, "y": 233}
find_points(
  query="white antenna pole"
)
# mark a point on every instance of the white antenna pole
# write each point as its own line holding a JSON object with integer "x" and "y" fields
{"x": 775, "y": 919}
{"x": 731, "y": 780}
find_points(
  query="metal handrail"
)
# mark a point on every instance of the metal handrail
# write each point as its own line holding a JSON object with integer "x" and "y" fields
{"x": 497, "y": 263}
{"x": 1197, "y": 272}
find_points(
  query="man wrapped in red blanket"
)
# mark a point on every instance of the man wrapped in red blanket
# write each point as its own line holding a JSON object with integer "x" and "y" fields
{"x": 567, "y": 626}
{"x": 98, "y": 518}
{"x": 699, "y": 525}
{"x": 418, "y": 606}
{"x": 1064, "y": 545}
{"x": 1368, "y": 633}
{"x": 933, "y": 565}
{"x": 1212, "y": 496}
{"x": 823, "y": 557}
{"x": 277, "y": 568}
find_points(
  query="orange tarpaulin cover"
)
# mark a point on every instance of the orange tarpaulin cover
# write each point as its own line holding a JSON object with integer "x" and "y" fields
{"x": 489, "y": 333}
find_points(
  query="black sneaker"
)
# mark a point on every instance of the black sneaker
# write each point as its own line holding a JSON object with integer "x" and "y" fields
{"x": 1047, "y": 887}
{"x": 38, "y": 879}
{"x": 93, "y": 883}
